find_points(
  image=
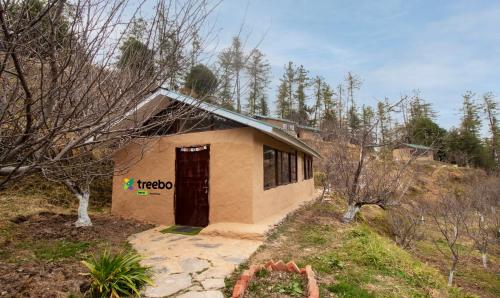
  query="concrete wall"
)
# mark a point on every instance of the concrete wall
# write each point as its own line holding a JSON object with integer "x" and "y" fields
{"x": 272, "y": 201}
{"x": 236, "y": 192}
{"x": 406, "y": 154}
{"x": 231, "y": 175}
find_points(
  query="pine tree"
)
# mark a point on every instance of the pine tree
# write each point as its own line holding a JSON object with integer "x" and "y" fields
{"x": 318, "y": 97}
{"x": 286, "y": 99}
{"x": 471, "y": 122}
{"x": 383, "y": 122}
{"x": 302, "y": 80}
{"x": 225, "y": 80}
{"x": 258, "y": 71}
{"x": 328, "y": 119}
{"x": 490, "y": 107}
{"x": 353, "y": 83}
{"x": 237, "y": 64}
{"x": 282, "y": 103}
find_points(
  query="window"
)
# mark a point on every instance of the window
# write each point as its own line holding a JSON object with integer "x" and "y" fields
{"x": 269, "y": 167}
{"x": 285, "y": 168}
{"x": 293, "y": 167}
{"x": 279, "y": 167}
{"x": 308, "y": 173}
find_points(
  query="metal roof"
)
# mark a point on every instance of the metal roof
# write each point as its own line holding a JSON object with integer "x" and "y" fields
{"x": 274, "y": 118}
{"x": 416, "y": 146}
{"x": 152, "y": 101}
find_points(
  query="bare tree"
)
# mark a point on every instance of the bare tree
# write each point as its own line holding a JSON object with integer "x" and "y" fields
{"x": 363, "y": 176}
{"x": 62, "y": 92}
{"x": 405, "y": 222}
{"x": 483, "y": 197}
{"x": 449, "y": 214}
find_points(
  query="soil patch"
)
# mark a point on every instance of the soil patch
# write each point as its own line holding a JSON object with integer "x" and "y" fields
{"x": 41, "y": 253}
{"x": 276, "y": 284}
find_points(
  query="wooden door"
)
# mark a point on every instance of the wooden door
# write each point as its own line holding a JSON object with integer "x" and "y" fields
{"x": 191, "y": 186}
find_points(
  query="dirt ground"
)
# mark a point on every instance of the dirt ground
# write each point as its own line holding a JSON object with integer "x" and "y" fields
{"x": 40, "y": 254}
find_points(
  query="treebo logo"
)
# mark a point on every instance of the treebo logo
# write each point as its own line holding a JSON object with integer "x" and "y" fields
{"x": 128, "y": 183}
{"x": 143, "y": 187}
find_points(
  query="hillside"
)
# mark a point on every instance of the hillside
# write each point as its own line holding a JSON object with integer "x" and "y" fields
{"x": 362, "y": 260}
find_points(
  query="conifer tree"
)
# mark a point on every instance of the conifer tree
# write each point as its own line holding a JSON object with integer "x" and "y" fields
{"x": 302, "y": 116}
{"x": 237, "y": 64}
{"x": 328, "y": 119}
{"x": 490, "y": 107}
{"x": 225, "y": 79}
{"x": 258, "y": 71}
{"x": 286, "y": 99}
{"x": 318, "y": 98}
{"x": 353, "y": 83}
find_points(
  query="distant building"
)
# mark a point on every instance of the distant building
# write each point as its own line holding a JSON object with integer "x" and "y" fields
{"x": 408, "y": 151}
{"x": 292, "y": 127}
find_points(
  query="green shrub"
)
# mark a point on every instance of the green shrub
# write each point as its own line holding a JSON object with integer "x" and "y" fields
{"x": 119, "y": 275}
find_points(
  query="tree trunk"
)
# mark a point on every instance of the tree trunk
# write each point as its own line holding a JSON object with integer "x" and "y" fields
{"x": 484, "y": 258}
{"x": 351, "y": 212}
{"x": 450, "y": 278}
{"x": 452, "y": 273}
{"x": 83, "y": 205}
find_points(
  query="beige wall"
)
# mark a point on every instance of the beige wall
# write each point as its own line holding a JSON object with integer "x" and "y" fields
{"x": 405, "y": 154}
{"x": 236, "y": 192}
{"x": 272, "y": 201}
{"x": 230, "y": 184}
{"x": 308, "y": 134}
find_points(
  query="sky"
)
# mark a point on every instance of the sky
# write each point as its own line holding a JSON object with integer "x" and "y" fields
{"x": 441, "y": 48}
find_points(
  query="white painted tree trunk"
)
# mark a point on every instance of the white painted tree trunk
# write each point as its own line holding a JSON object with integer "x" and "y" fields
{"x": 450, "y": 278}
{"x": 83, "y": 206}
{"x": 351, "y": 212}
{"x": 484, "y": 258}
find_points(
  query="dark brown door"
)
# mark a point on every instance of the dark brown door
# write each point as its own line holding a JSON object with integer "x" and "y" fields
{"x": 191, "y": 186}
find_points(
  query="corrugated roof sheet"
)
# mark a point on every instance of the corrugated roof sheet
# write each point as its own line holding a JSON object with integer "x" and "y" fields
{"x": 416, "y": 146}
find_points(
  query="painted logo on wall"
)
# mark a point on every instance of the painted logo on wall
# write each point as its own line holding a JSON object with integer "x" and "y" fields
{"x": 143, "y": 187}
{"x": 128, "y": 183}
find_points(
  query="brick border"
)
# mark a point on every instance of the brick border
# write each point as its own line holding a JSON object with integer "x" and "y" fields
{"x": 247, "y": 275}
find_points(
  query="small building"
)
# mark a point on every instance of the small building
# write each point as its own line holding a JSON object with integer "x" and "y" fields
{"x": 285, "y": 124}
{"x": 220, "y": 167}
{"x": 292, "y": 127}
{"x": 407, "y": 151}
{"x": 308, "y": 133}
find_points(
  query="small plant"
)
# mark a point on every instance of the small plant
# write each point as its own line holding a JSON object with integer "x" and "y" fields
{"x": 119, "y": 275}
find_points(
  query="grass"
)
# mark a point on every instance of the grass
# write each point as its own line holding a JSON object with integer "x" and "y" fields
{"x": 183, "y": 230}
{"x": 61, "y": 249}
{"x": 358, "y": 259}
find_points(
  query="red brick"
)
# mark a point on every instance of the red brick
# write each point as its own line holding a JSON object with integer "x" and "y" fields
{"x": 312, "y": 288}
{"x": 269, "y": 264}
{"x": 309, "y": 271}
{"x": 292, "y": 267}
{"x": 238, "y": 290}
{"x": 280, "y": 266}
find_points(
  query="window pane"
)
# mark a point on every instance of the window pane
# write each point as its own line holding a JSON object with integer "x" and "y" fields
{"x": 285, "y": 168}
{"x": 269, "y": 167}
{"x": 293, "y": 167}
{"x": 279, "y": 164}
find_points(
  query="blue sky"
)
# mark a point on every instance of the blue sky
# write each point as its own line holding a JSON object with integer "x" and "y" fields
{"x": 442, "y": 48}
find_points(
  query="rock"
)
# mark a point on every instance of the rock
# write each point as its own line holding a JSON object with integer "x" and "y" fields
{"x": 204, "y": 294}
{"x": 213, "y": 283}
{"x": 170, "y": 284}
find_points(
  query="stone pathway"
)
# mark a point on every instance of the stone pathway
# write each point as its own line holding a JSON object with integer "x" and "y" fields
{"x": 190, "y": 266}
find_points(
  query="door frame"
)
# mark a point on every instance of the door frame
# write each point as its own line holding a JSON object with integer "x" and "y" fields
{"x": 176, "y": 179}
